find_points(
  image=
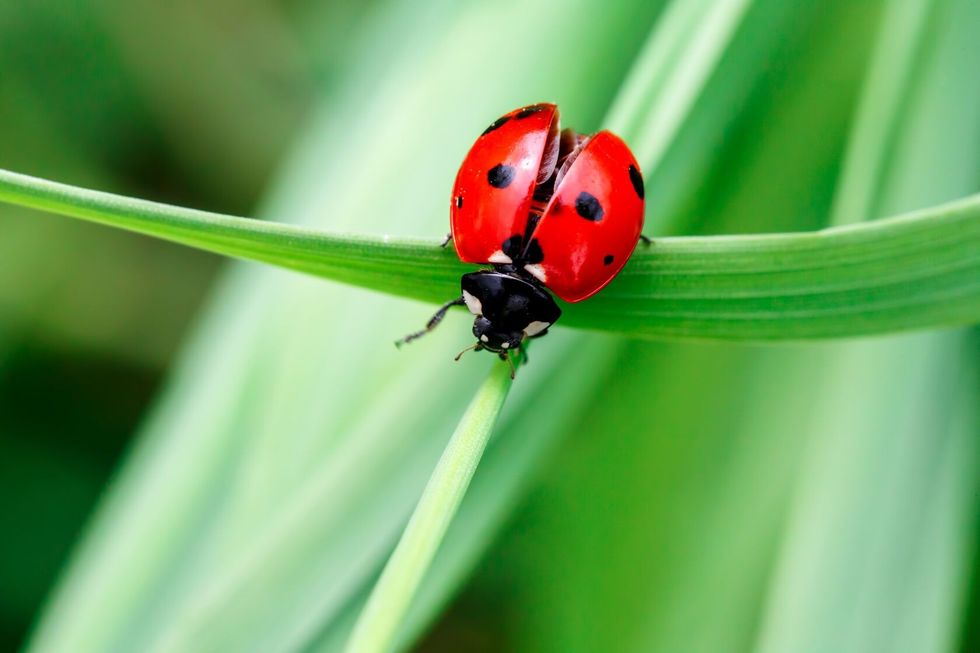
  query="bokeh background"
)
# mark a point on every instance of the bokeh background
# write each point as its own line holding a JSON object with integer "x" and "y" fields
{"x": 204, "y": 455}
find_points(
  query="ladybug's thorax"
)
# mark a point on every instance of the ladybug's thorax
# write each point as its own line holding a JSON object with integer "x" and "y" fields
{"x": 508, "y": 308}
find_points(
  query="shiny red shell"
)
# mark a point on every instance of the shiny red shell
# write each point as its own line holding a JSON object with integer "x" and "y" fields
{"x": 582, "y": 228}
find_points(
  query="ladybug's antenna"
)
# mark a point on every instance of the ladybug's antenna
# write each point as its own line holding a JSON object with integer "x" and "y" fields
{"x": 477, "y": 347}
{"x": 432, "y": 323}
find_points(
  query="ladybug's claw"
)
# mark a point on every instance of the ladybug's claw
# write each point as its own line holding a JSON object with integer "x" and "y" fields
{"x": 445, "y": 242}
{"x": 432, "y": 323}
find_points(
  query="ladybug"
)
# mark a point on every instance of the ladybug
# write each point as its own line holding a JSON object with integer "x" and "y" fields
{"x": 548, "y": 210}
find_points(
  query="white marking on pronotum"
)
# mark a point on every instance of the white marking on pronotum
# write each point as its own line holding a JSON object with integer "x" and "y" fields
{"x": 500, "y": 257}
{"x": 536, "y": 327}
{"x": 484, "y": 338}
{"x": 472, "y": 303}
{"x": 504, "y": 345}
{"x": 537, "y": 271}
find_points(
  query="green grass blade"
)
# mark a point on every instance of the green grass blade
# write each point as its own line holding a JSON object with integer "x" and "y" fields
{"x": 309, "y": 442}
{"x": 913, "y": 271}
{"x": 372, "y": 624}
{"x": 884, "y": 96}
{"x": 386, "y": 620}
{"x": 681, "y": 52}
{"x": 375, "y": 629}
{"x": 878, "y": 540}
{"x": 332, "y": 472}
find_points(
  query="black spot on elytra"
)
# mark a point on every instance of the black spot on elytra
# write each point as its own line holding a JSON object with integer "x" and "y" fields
{"x": 530, "y": 111}
{"x": 500, "y": 175}
{"x": 637, "y": 179}
{"x": 534, "y": 253}
{"x": 608, "y": 259}
{"x": 459, "y": 201}
{"x": 496, "y": 124}
{"x": 512, "y": 246}
{"x": 588, "y": 207}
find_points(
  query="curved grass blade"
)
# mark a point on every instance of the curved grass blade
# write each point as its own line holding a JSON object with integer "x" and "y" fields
{"x": 913, "y": 271}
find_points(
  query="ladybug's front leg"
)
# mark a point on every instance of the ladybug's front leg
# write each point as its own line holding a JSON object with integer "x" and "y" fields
{"x": 522, "y": 350}
{"x": 433, "y": 321}
{"x": 646, "y": 240}
{"x": 504, "y": 356}
{"x": 445, "y": 242}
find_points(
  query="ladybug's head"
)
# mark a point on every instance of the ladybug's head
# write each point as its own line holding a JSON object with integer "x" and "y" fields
{"x": 494, "y": 338}
{"x": 508, "y": 309}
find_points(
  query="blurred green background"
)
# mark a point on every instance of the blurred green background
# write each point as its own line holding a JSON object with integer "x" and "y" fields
{"x": 255, "y": 444}
{"x": 189, "y": 103}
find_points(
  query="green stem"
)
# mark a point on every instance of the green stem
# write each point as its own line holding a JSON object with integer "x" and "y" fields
{"x": 378, "y": 622}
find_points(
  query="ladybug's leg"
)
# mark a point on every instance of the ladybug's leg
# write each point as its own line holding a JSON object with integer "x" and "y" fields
{"x": 521, "y": 350}
{"x": 432, "y": 323}
{"x": 523, "y": 353}
{"x": 645, "y": 240}
{"x": 449, "y": 237}
{"x": 504, "y": 356}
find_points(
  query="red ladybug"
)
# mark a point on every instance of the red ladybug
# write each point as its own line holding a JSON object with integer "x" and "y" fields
{"x": 546, "y": 208}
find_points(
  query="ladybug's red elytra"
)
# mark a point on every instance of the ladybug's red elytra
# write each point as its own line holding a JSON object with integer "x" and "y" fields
{"x": 548, "y": 209}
